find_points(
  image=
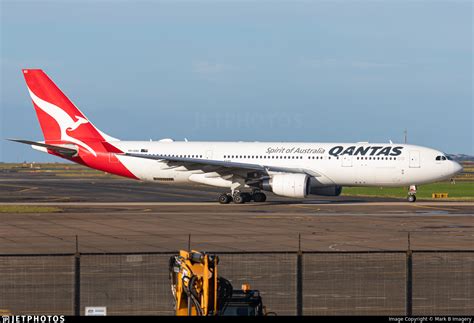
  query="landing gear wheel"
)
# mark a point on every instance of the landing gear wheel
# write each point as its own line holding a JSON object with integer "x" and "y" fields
{"x": 225, "y": 199}
{"x": 246, "y": 196}
{"x": 259, "y": 197}
{"x": 239, "y": 199}
{"x": 411, "y": 194}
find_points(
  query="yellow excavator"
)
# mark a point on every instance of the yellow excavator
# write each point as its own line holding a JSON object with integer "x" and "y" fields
{"x": 198, "y": 290}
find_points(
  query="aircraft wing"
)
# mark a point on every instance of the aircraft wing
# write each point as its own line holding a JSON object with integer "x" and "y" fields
{"x": 196, "y": 162}
{"x": 68, "y": 150}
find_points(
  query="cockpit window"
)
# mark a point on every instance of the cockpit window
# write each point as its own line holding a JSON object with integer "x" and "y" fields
{"x": 438, "y": 157}
{"x": 441, "y": 158}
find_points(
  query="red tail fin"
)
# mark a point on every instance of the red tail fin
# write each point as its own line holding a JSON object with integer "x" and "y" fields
{"x": 61, "y": 121}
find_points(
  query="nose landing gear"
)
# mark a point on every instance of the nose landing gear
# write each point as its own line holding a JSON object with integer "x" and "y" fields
{"x": 412, "y": 194}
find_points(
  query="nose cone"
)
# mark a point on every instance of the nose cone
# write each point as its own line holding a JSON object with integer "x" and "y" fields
{"x": 457, "y": 168}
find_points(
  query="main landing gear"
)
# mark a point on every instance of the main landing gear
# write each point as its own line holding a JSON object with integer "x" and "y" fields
{"x": 412, "y": 194}
{"x": 242, "y": 197}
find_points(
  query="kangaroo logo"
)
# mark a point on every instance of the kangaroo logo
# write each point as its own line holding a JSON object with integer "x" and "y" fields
{"x": 65, "y": 122}
{"x": 80, "y": 120}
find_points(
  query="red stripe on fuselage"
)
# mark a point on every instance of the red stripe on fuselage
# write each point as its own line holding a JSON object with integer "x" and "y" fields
{"x": 104, "y": 161}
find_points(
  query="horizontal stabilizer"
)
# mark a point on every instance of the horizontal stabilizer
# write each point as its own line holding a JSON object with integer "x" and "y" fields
{"x": 67, "y": 150}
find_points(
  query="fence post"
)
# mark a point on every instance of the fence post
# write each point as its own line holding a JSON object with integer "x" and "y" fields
{"x": 409, "y": 280}
{"x": 299, "y": 279}
{"x": 77, "y": 280}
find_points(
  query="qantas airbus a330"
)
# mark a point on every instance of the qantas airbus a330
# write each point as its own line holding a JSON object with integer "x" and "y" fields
{"x": 244, "y": 169}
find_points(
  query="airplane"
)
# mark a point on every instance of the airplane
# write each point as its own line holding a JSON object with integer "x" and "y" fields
{"x": 245, "y": 169}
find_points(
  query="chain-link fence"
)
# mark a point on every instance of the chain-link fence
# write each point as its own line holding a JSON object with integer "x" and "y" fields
{"x": 443, "y": 283}
{"x": 291, "y": 283}
{"x": 354, "y": 284}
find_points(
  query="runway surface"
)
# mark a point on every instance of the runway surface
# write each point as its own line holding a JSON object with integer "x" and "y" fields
{"x": 115, "y": 215}
{"x": 44, "y": 187}
{"x": 111, "y": 218}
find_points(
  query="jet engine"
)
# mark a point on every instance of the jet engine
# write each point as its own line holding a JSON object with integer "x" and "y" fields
{"x": 289, "y": 185}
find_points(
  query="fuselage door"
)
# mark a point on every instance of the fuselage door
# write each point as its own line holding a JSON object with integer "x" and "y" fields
{"x": 414, "y": 159}
{"x": 346, "y": 160}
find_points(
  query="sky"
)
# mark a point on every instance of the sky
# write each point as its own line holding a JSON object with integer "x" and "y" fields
{"x": 312, "y": 71}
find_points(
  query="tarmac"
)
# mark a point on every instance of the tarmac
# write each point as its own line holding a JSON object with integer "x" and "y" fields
{"x": 122, "y": 232}
{"x": 119, "y": 215}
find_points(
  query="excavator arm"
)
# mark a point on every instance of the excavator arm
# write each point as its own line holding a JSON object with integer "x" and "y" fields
{"x": 198, "y": 290}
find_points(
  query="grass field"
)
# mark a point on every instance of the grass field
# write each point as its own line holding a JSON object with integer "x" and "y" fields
{"x": 462, "y": 190}
{"x": 57, "y": 169}
{"x": 28, "y": 209}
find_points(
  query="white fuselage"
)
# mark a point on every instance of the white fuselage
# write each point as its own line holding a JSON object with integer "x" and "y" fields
{"x": 344, "y": 164}
{"x": 291, "y": 169}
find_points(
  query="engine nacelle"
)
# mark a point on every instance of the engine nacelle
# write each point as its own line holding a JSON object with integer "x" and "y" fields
{"x": 333, "y": 190}
{"x": 289, "y": 185}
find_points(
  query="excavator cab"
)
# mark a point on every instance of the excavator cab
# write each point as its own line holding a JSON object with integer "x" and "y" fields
{"x": 198, "y": 290}
{"x": 244, "y": 303}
